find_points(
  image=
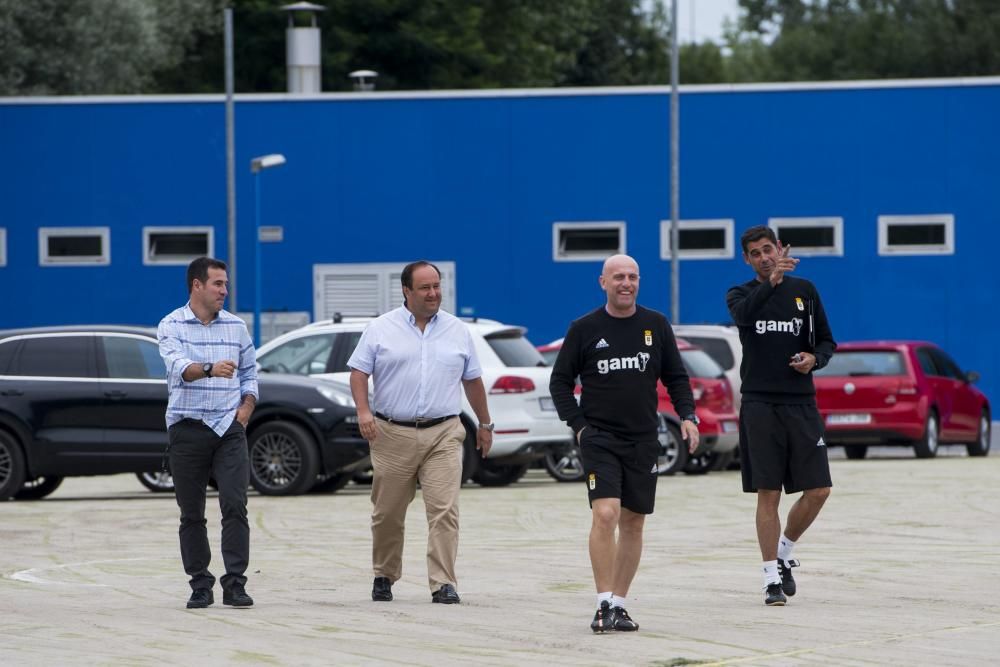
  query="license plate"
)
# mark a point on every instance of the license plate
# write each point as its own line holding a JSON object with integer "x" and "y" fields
{"x": 849, "y": 418}
{"x": 730, "y": 427}
{"x": 546, "y": 404}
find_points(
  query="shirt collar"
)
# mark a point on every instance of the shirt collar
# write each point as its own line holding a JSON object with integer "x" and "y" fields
{"x": 189, "y": 315}
{"x": 411, "y": 318}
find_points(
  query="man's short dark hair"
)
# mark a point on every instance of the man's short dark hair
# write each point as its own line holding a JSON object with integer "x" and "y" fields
{"x": 756, "y": 234}
{"x": 198, "y": 270}
{"x": 406, "y": 277}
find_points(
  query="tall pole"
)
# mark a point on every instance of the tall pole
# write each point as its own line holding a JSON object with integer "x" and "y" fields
{"x": 256, "y": 259}
{"x": 675, "y": 181}
{"x": 230, "y": 160}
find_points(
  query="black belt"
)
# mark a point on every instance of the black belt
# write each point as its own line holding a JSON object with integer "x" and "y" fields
{"x": 419, "y": 423}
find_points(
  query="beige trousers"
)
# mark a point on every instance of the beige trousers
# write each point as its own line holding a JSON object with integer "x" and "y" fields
{"x": 402, "y": 456}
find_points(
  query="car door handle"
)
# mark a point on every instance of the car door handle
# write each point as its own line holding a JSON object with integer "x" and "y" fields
{"x": 11, "y": 392}
{"x": 116, "y": 394}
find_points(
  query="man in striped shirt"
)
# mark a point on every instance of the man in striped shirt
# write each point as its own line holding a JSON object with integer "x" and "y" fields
{"x": 212, "y": 385}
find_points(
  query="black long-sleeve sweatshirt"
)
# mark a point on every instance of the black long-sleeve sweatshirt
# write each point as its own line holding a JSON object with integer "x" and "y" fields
{"x": 618, "y": 361}
{"x": 775, "y": 323}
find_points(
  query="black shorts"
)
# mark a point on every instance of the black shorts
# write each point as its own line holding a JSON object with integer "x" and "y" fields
{"x": 782, "y": 445}
{"x": 617, "y": 468}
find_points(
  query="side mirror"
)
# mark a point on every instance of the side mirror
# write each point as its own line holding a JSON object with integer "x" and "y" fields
{"x": 971, "y": 377}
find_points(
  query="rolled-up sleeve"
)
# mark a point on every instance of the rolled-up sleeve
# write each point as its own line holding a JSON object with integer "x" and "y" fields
{"x": 472, "y": 368}
{"x": 247, "y": 365}
{"x": 172, "y": 352}
{"x": 363, "y": 357}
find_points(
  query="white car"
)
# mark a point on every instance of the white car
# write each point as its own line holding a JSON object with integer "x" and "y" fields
{"x": 515, "y": 375}
{"x": 722, "y": 343}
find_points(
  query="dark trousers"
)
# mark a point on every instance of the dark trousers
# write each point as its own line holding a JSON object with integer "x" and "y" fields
{"x": 196, "y": 453}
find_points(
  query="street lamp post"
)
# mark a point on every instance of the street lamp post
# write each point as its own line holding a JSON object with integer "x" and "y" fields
{"x": 257, "y": 165}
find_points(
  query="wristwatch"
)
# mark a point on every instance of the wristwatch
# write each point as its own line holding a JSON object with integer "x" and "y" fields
{"x": 693, "y": 418}
{"x": 487, "y": 427}
{"x": 206, "y": 368}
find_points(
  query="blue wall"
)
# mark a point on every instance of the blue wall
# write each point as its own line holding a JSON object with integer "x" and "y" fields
{"x": 480, "y": 180}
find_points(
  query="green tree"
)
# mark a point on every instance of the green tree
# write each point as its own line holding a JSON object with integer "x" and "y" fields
{"x": 59, "y": 47}
{"x": 868, "y": 39}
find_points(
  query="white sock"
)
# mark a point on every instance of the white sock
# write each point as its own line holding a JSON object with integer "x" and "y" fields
{"x": 601, "y": 597}
{"x": 771, "y": 575}
{"x": 617, "y": 601}
{"x": 785, "y": 547}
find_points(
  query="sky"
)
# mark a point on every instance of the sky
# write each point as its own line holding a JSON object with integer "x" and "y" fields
{"x": 704, "y": 16}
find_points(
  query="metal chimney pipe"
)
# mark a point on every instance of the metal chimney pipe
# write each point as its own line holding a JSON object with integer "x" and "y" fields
{"x": 302, "y": 50}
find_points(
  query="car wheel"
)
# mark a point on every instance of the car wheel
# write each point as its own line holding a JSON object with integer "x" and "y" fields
{"x": 673, "y": 453}
{"x": 981, "y": 447}
{"x": 927, "y": 446}
{"x": 157, "y": 482}
{"x": 332, "y": 483}
{"x": 722, "y": 461}
{"x": 565, "y": 463}
{"x": 491, "y": 474}
{"x": 39, "y": 487}
{"x": 364, "y": 476}
{"x": 856, "y": 451}
{"x": 283, "y": 459}
{"x": 12, "y": 469}
{"x": 698, "y": 465}
{"x": 471, "y": 457}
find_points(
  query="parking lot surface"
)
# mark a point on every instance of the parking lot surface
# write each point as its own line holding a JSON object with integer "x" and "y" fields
{"x": 903, "y": 566}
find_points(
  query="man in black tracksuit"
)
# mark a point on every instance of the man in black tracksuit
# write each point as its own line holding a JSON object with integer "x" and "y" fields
{"x": 785, "y": 336}
{"x": 619, "y": 351}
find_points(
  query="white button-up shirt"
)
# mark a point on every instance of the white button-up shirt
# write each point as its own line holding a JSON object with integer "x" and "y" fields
{"x": 417, "y": 373}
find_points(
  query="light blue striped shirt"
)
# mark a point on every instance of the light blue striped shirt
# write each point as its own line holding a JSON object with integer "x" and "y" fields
{"x": 417, "y": 373}
{"x": 184, "y": 340}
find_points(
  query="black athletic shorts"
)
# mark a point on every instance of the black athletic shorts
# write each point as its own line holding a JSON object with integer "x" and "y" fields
{"x": 782, "y": 445}
{"x": 617, "y": 468}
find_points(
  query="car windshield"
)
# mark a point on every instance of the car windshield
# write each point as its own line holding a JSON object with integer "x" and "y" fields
{"x": 514, "y": 349}
{"x": 699, "y": 365}
{"x": 717, "y": 348}
{"x": 301, "y": 356}
{"x": 864, "y": 362}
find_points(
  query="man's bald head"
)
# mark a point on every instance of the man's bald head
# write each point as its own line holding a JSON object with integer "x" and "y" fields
{"x": 620, "y": 281}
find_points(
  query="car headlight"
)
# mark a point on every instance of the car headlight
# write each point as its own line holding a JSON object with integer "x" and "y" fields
{"x": 338, "y": 397}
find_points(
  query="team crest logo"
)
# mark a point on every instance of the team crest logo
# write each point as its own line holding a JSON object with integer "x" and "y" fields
{"x": 592, "y": 481}
{"x": 648, "y": 333}
{"x": 799, "y": 304}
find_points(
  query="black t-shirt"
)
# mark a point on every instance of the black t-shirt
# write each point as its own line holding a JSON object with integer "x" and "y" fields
{"x": 618, "y": 361}
{"x": 775, "y": 323}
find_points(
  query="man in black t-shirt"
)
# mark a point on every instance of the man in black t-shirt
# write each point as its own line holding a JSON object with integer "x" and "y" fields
{"x": 785, "y": 336}
{"x": 619, "y": 351}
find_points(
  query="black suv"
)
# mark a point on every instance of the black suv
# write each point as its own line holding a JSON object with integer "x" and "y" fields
{"x": 90, "y": 400}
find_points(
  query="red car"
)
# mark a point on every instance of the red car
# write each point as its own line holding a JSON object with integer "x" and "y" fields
{"x": 900, "y": 393}
{"x": 713, "y": 396}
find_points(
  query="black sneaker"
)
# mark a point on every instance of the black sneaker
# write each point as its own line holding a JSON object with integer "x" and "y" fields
{"x": 603, "y": 619}
{"x": 237, "y": 596}
{"x": 200, "y": 598}
{"x": 382, "y": 589}
{"x": 787, "y": 580}
{"x": 774, "y": 596}
{"x": 621, "y": 621}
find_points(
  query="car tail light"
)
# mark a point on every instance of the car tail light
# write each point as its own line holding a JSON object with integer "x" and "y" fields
{"x": 512, "y": 384}
{"x": 698, "y": 389}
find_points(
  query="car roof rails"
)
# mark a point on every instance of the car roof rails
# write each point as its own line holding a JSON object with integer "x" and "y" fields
{"x": 339, "y": 318}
